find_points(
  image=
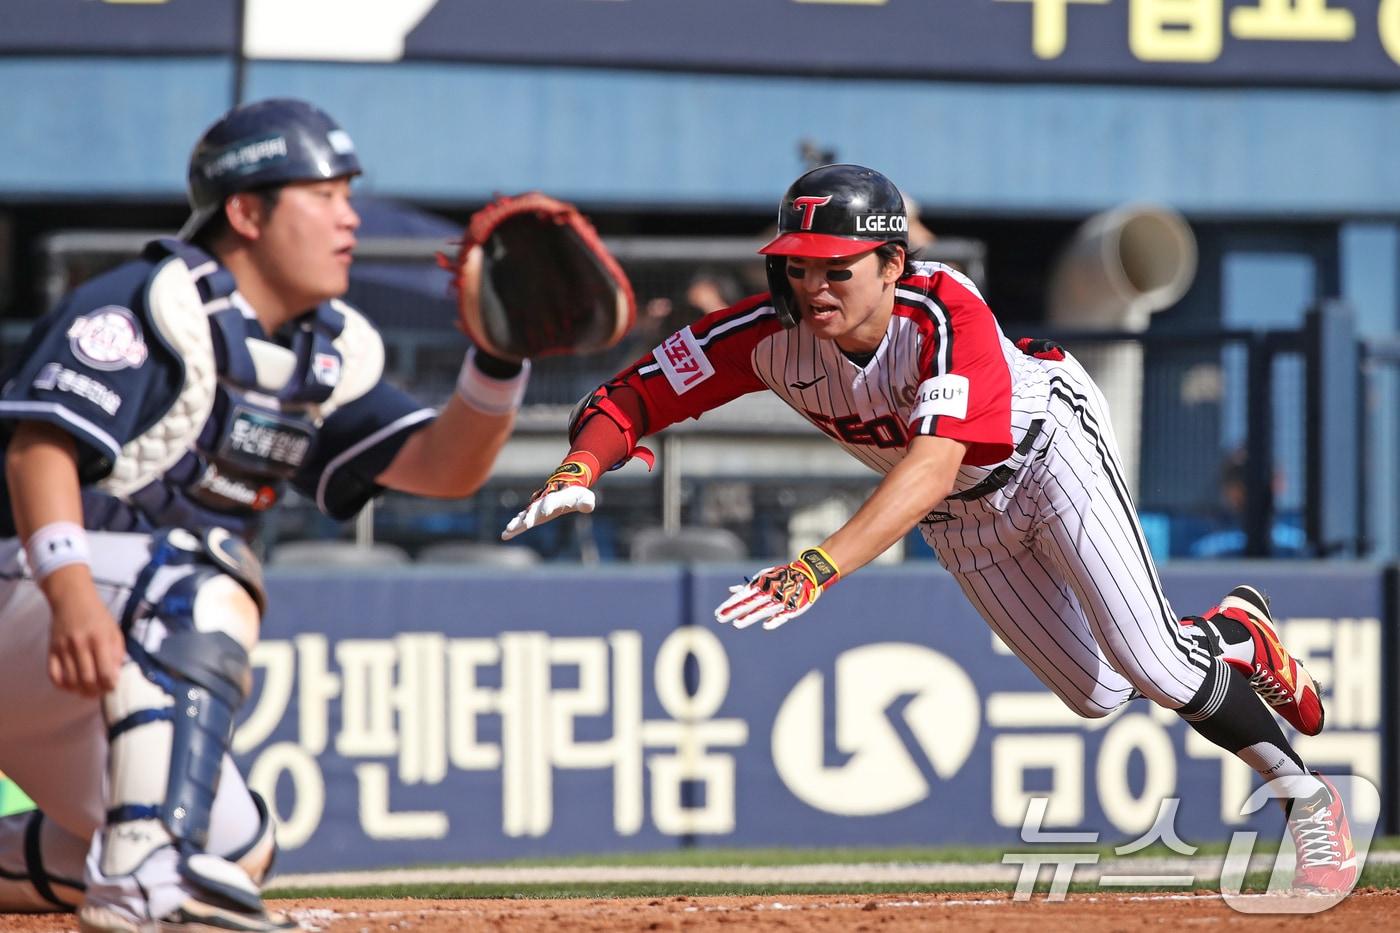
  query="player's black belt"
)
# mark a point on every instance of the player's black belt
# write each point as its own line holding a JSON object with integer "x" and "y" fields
{"x": 999, "y": 477}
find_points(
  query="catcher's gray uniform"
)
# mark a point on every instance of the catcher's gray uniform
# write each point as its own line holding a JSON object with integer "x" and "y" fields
{"x": 185, "y": 414}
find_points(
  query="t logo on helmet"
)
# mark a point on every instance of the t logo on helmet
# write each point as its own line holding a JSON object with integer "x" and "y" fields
{"x": 808, "y": 206}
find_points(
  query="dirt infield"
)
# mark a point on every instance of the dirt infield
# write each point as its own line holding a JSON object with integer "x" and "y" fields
{"x": 992, "y": 911}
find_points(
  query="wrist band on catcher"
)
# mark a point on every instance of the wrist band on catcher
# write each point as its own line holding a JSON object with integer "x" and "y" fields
{"x": 484, "y": 393}
{"x": 497, "y": 367}
{"x": 56, "y": 545}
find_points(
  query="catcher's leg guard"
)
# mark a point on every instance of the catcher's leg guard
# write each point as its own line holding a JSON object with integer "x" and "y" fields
{"x": 170, "y": 718}
{"x": 41, "y": 865}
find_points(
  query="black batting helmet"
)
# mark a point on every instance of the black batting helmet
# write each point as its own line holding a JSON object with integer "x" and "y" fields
{"x": 257, "y": 145}
{"x": 832, "y": 212}
{"x": 837, "y": 211}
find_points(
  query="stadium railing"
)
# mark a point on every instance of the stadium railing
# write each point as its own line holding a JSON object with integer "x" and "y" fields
{"x": 1209, "y": 397}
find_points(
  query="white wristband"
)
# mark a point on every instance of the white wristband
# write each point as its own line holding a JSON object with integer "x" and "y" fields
{"x": 56, "y": 545}
{"x": 492, "y": 396}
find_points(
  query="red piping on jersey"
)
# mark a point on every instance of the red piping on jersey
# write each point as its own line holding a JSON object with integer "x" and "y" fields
{"x": 977, "y": 353}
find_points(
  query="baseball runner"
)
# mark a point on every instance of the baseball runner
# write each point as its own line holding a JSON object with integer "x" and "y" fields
{"x": 183, "y": 392}
{"x": 1001, "y": 453}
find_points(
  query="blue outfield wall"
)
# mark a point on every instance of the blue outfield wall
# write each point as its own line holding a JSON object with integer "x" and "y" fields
{"x": 425, "y": 717}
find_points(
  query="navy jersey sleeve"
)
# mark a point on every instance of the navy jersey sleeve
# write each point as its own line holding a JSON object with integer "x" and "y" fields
{"x": 355, "y": 444}
{"x": 94, "y": 368}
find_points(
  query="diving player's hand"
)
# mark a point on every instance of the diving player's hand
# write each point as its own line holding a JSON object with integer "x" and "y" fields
{"x": 778, "y": 594}
{"x": 565, "y": 491}
{"x": 86, "y": 647}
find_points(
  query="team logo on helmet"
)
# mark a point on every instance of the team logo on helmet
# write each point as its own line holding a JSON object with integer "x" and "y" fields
{"x": 808, "y": 206}
{"x": 340, "y": 142}
{"x": 108, "y": 339}
{"x": 246, "y": 156}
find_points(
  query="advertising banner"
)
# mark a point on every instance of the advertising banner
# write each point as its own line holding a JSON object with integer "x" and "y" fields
{"x": 1303, "y": 42}
{"x": 432, "y": 717}
{"x": 103, "y": 27}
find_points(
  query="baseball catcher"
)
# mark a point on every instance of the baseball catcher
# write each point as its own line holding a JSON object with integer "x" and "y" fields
{"x": 150, "y": 423}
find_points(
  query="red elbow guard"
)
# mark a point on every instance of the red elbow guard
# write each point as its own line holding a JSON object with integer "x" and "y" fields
{"x": 630, "y": 425}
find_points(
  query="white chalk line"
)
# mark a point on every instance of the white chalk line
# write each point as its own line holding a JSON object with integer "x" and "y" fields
{"x": 1168, "y": 870}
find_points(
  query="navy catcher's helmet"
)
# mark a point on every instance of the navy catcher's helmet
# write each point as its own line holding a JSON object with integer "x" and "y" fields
{"x": 262, "y": 144}
{"x": 832, "y": 212}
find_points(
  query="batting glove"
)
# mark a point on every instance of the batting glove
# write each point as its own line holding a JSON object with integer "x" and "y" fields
{"x": 780, "y": 593}
{"x": 565, "y": 491}
{"x": 1041, "y": 349}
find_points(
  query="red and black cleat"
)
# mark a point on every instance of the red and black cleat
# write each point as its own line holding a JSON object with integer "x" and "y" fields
{"x": 1274, "y": 674}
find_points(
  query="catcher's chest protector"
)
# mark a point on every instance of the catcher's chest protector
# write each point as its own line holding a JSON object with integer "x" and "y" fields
{"x": 248, "y": 412}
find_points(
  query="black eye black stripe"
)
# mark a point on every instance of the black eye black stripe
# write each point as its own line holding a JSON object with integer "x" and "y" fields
{"x": 832, "y": 275}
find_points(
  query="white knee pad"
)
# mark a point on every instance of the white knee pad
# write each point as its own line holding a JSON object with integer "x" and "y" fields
{"x": 170, "y": 720}
{"x": 140, "y": 727}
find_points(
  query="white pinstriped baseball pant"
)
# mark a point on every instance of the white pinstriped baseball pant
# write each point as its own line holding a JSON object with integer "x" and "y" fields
{"x": 1064, "y": 575}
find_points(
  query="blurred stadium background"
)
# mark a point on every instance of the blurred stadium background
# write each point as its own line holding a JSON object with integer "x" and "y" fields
{"x": 1201, "y": 196}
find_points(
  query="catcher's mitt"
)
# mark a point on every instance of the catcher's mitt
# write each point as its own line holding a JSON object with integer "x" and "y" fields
{"x": 532, "y": 278}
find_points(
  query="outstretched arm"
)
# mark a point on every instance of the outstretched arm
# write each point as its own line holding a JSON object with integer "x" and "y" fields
{"x": 452, "y": 455}
{"x": 696, "y": 369}
{"x": 597, "y": 441}
{"x": 908, "y": 492}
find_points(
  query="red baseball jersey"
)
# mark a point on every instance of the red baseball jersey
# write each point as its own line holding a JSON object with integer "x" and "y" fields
{"x": 944, "y": 368}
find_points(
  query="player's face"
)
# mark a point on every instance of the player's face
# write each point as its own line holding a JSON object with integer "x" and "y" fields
{"x": 847, "y": 300}
{"x": 307, "y": 241}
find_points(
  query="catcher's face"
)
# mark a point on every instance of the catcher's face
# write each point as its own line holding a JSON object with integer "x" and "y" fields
{"x": 305, "y": 243}
{"x": 848, "y": 300}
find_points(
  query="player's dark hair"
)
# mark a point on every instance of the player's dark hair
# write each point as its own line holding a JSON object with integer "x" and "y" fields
{"x": 887, "y": 252}
{"x": 217, "y": 227}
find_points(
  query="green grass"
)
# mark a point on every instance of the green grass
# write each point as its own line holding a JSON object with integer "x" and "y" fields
{"x": 721, "y": 857}
{"x": 1374, "y": 875}
{"x": 715, "y": 857}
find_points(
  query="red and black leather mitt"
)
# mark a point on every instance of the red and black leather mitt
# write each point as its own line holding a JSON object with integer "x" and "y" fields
{"x": 532, "y": 279}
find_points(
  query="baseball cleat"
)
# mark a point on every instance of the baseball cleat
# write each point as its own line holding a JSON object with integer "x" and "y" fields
{"x": 1326, "y": 858}
{"x": 193, "y": 916}
{"x": 1275, "y": 675}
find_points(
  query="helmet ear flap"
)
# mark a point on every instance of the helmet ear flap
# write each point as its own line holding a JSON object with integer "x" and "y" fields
{"x": 781, "y": 291}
